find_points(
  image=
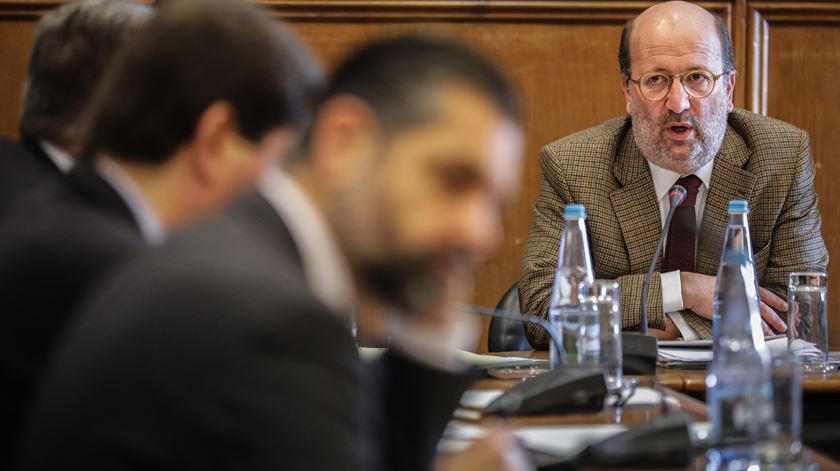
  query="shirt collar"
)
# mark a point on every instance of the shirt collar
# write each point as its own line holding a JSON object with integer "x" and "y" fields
{"x": 325, "y": 267}
{"x": 664, "y": 179}
{"x": 58, "y": 156}
{"x": 147, "y": 219}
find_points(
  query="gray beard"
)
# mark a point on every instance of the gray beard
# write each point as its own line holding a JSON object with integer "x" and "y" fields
{"x": 709, "y": 132}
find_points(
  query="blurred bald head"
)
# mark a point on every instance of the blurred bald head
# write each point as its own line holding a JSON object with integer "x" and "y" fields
{"x": 676, "y": 24}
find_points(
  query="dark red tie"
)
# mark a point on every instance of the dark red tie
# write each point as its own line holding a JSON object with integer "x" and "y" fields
{"x": 679, "y": 250}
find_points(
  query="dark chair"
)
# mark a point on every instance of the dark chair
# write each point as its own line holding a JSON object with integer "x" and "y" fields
{"x": 507, "y": 335}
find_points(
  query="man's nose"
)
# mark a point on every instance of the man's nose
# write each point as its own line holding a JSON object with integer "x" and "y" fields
{"x": 677, "y": 100}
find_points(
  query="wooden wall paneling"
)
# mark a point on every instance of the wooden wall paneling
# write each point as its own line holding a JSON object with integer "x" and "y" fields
{"x": 15, "y": 43}
{"x": 562, "y": 56}
{"x": 794, "y": 65}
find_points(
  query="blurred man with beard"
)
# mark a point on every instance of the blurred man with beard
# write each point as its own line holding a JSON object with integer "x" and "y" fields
{"x": 230, "y": 349}
{"x": 678, "y": 79}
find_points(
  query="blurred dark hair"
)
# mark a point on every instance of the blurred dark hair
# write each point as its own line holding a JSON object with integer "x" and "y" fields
{"x": 74, "y": 46}
{"x": 728, "y": 56}
{"x": 192, "y": 54}
{"x": 395, "y": 77}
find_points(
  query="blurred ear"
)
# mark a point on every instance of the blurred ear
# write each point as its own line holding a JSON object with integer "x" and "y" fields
{"x": 730, "y": 90}
{"x": 345, "y": 136}
{"x": 215, "y": 133}
{"x": 625, "y": 84}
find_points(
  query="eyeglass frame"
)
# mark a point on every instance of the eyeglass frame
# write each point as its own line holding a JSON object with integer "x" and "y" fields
{"x": 671, "y": 78}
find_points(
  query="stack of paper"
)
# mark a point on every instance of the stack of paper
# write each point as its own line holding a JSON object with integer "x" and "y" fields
{"x": 684, "y": 357}
{"x": 698, "y": 353}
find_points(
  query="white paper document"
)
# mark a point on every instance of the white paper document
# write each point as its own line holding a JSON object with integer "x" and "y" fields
{"x": 479, "y": 398}
{"x": 565, "y": 440}
{"x": 470, "y": 358}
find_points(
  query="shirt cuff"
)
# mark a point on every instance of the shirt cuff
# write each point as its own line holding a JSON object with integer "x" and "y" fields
{"x": 686, "y": 331}
{"x": 672, "y": 300}
{"x": 435, "y": 345}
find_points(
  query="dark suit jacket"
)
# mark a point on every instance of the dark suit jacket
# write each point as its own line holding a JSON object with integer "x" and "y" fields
{"x": 54, "y": 245}
{"x": 213, "y": 354}
{"x": 23, "y": 165}
{"x": 762, "y": 160}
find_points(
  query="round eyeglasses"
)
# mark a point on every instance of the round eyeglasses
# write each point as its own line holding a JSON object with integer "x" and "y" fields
{"x": 697, "y": 83}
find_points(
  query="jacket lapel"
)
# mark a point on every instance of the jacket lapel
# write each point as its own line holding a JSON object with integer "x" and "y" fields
{"x": 729, "y": 181}
{"x": 634, "y": 203}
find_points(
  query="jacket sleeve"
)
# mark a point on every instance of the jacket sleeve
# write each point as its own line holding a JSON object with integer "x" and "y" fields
{"x": 796, "y": 243}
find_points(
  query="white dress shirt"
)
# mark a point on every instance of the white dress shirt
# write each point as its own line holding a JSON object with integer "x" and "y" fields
{"x": 151, "y": 227}
{"x": 324, "y": 265}
{"x": 59, "y": 157}
{"x": 663, "y": 180}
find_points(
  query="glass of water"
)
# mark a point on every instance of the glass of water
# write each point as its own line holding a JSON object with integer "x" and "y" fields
{"x": 807, "y": 331}
{"x": 605, "y": 297}
{"x": 590, "y": 333}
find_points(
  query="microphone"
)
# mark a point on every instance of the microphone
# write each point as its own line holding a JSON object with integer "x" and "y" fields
{"x": 640, "y": 349}
{"x": 676, "y": 196}
{"x": 513, "y": 316}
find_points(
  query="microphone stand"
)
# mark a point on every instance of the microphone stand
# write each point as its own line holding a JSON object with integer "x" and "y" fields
{"x": 642, "y": 348}
{"x": 518, "y": 317}
{"x": 643, "y": 326}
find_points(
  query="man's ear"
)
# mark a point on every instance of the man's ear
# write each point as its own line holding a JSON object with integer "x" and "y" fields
{"x": 345, "y": 135}
{"x": 213, "y": 133}
{"x": 624, "y": 82}
{"x": 730, "y": 90}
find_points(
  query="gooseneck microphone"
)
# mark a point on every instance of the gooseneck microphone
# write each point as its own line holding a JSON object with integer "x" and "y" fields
{"x": 513, "y": 316}
{"x": 676, "y": 196}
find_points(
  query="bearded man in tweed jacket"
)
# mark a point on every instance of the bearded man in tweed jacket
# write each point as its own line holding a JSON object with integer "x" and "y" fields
{"x": 622, "y": 170}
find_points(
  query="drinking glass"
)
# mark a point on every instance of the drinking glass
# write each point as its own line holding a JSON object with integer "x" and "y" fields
{"x": 605, "y": 297}
{"x": 807, "y": 331}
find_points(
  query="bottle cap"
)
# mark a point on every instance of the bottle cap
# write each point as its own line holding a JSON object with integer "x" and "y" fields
{"x": 738, "y": 206}
{"x": 574, "y": 211}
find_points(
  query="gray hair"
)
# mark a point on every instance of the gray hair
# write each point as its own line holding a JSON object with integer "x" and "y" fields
{"x": 74, "y": 46}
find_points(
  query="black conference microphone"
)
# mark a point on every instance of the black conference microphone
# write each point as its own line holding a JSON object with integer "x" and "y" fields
{"x": 641, "y": 347}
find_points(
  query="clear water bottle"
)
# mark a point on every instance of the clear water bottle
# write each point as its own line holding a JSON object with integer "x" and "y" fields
{"x": 737, "y": 239}
{"x": 574, "y": 322}
{"x": 738, "y": 384}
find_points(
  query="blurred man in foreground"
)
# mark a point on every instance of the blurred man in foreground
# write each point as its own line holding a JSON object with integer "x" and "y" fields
{"x": 678, "y": 80}
{"x": 229, "y": 348}
{"x": 177, "y": 133}
{"x": 74, "y": 46}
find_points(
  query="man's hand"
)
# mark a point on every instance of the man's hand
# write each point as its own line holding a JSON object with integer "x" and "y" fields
{"x": 496, "y": 451}
{"x": 671, "y": 331}
{"x": 698, "y": 292}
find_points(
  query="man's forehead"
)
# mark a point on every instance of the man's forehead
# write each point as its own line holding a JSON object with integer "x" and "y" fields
{"x": 675, "y": 28}
{"x": 670, "y": 39}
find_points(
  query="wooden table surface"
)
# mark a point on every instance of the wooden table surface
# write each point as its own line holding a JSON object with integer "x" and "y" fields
{"x": 676, "y": 383}
{"x": 694, "y": 381}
